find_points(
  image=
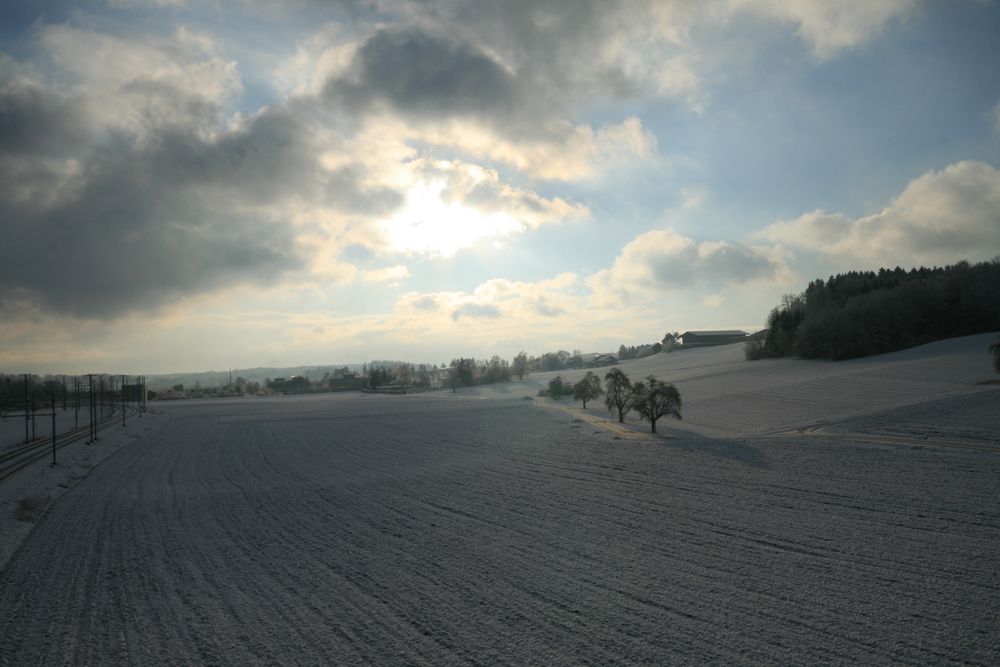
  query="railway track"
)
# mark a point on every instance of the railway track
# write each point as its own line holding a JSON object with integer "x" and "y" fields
{"x": 24, "y": 455}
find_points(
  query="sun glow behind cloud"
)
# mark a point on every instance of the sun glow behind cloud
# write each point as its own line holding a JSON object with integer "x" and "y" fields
{"x": 427, "y": 224}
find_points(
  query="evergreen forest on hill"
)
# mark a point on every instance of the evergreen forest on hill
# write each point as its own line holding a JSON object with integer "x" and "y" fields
{"x": 861, "y": 313}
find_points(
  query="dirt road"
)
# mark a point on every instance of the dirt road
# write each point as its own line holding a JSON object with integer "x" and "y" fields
{"x": 416, "y": 530}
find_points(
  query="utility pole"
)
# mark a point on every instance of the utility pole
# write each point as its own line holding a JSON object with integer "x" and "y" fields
{"x": 123, "y": 400}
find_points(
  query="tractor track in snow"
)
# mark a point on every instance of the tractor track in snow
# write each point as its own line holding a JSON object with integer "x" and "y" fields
{"x": 406, "y": 530}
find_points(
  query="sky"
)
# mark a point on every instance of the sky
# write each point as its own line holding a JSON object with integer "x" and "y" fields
{"x": 229, "y": 184}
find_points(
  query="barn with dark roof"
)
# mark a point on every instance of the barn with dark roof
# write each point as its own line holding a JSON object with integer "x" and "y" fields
{"x": 705, "y": 338}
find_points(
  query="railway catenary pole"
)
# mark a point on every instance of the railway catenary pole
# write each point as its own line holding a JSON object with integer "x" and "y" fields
{"x": 53, "y": 401}
{"x": 90, "y": 404}
{"x": 26, "y": 417}
{"x": 96, "y": 399}
{"x": 123, "y": 400}
{"x": 76, "y": 403}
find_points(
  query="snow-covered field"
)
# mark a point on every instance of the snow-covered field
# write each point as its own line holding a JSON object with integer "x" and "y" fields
{"x": 725, "y": 395}
{"x": 442, "y": 529}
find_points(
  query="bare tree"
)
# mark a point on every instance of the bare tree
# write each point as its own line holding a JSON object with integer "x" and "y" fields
{"x": 587, "y": 389}
{"x": 520, "y": 365}
{"x": 654, "y": 399}
{"x": 619, "y": 392}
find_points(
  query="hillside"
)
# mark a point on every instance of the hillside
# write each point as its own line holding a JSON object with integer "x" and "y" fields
{"x": 724, "y": 394}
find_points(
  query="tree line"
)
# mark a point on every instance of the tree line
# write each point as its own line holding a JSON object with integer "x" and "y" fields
{"x": 862, "y": 313}
{"x": 650, "y": 397}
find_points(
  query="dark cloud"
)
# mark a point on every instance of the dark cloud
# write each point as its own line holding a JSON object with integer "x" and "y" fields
{"x": 426, "y": 302}
{"x": 270, "y": 158}
{"x": 560, "y": 44}
{"x": 543, "y": 307}
{"x": 163, "y": 104}
{"x": 126, "y": 243}
{"x": 142, "y": 224}
{"x": 344, "y": 190}
{"x": 417, "y": 73}
{"x": 475, "y": 310}
{"x": 36, "y": 122}
{"x": 521, "y": 75}
{"x": 718, "y": 264}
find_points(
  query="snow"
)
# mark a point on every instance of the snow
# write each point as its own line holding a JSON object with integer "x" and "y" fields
{"x": 725, "y": 395}
{"x": 461, "y": 528}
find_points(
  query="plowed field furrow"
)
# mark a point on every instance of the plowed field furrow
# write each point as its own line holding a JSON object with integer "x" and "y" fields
{"x": 422, "y": 530}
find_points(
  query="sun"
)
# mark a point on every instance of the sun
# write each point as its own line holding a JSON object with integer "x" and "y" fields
{"x": 426, "y": 224}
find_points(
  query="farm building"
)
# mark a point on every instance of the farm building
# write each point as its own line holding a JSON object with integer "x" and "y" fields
{"x": 703, "y": 338}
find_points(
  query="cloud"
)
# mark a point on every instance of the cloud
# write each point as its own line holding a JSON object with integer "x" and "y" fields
{"x": 425, "y": 75}
{"x": 475, "y": 310}
{"x": 941, "y": 217}
{"x": 543, "y": 307}
{"x": 564, "y": 152}
{"x": 816, "y": 230}
{"x": 425, "y": 302}
{"x": 663, "y": 260}
{"x": 34, "y": 121}
{"x": 578, "y": 51}
{"x": 509, "y": 315}
{"x": 124, "y": 164}
{"x": 455, "y": 93}
{"x": 145, "y": 4}
{"x": 392, "y": 275}
{"x": 140, "y": 85}
{"x": 482, "y": 188}
{"x": 135, "y": 226}
{"x": 713, "y": 301}
{"x": 132, "y": 159}
{"x": 520, "y": 303}
{"x": 451, "y": 205}
{"x": 830, "y": 27}
{"x": 119, "y": 190}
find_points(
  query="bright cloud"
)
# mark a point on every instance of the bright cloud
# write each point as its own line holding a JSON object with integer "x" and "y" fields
{"x": 451, "y": 205}
{"x": 662, "y": 260}
{"x": 393, "y": 275}
{"x": 941, "y": 217}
